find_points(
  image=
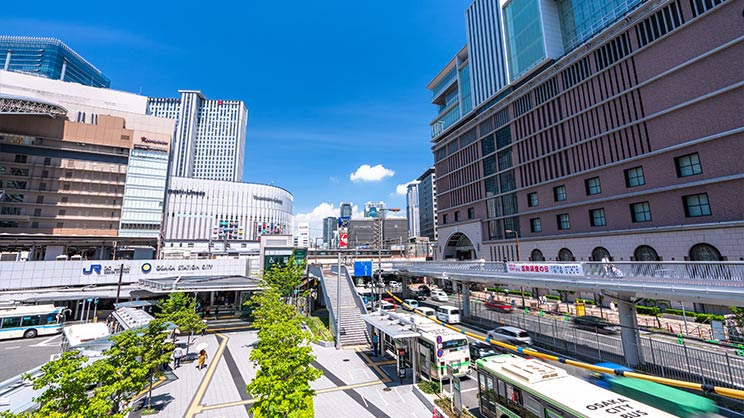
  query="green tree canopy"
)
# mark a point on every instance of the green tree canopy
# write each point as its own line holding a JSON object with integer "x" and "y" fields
{"x": 180, "y": 309}
{"x": 283, "y": 355}
{"x": 285, "y": 278}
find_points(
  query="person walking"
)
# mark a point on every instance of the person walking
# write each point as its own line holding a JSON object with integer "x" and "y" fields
{"x": 177, "y": 355}
{"x": 202, "y": 359}
{"x": 375, "y": 342}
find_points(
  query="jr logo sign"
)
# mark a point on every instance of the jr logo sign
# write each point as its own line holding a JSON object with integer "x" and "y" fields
{"x": 92, "y": 268}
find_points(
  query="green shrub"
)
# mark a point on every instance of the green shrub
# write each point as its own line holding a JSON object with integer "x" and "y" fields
{"x": 519, "y": 292}
{"x": 648, "y": 310}
{"x": 701, "y": 317}
{"x": 318, "y": 329}
{"x": 552, "y": 297}
{"x": 429, "y": 387}
{"x": 586, "y": 301}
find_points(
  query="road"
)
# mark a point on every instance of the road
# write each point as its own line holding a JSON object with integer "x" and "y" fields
{"x": 693, "y": 361}
{"x": 21, "y": 355}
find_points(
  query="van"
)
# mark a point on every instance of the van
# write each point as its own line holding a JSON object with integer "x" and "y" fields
{"x": 448, "y": 314}
{"x": 439, "y": 296}
{"x": 426, "y": 311}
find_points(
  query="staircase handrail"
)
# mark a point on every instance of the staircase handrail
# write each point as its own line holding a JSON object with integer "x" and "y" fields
{"x": 317, "y": 271}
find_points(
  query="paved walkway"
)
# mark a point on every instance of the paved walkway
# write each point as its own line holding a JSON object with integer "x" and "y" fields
{"x": 352, "y": 384}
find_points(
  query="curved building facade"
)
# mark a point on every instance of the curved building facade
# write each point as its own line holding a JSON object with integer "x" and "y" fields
{"x": 210, "y": 216}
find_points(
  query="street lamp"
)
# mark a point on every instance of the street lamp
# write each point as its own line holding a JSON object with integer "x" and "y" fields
{"x": 381, "y": 214}
{"x": 516, "y": 237}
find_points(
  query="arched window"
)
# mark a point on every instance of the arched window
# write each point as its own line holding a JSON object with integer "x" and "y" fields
{"x": 599, "y": 253}
{"x": 565, "y": 255}
{"x": 705, "y": 252}
{"x": 645, "y": 253}
{"x": 537, "y": 255}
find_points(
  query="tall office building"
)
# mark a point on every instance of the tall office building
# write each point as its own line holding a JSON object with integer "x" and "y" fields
{"x": 303, "y": 234}
{"x": 412, "y": 210}
{"x": 427, "y": 200}
{"x": 622, "y": 146}
{"x": 346, "y": 210}
{"x": 48, "y": 58}
{"x": 330, "y": 227}
{"x": 209, "y": 142}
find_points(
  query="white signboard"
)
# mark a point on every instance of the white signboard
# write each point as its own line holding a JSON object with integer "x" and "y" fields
{"x": 542, "y": 268}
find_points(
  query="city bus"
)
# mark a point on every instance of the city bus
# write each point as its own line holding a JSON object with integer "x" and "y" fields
{"x": 442, "y": 352}
{"x": 30, "y": 321}
{"x": 510, "y": 386}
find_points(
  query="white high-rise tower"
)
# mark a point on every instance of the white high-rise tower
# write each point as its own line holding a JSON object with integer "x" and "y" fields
{"x": 209, "y": 142}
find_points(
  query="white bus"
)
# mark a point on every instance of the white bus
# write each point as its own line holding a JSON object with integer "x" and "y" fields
{"x": 30, "y": 321}
{"x": 441, "y": 360}
{"x": 514, "y": 387}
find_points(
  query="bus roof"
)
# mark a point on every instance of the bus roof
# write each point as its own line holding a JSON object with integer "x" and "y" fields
{"x": 28, "y": 310}
{"x": 554, "y": 384}
{"x": 672, "y": 400}
{"x": 81, "y": 333}
{"x": 430, "y": 330}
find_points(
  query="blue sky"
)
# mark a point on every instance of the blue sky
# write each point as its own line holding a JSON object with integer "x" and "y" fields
{"x": 330, "y": 86}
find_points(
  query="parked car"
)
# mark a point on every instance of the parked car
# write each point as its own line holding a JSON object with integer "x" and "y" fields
{"x": 511, "y": 335}
{"x": 413, "y": 303}
{"x": 595, "y": 323}
{"x": 386, "y": 306}
{"x": 390, "y": 301}
{"x": 498, "y": 306}
{"x": 439, "y": 296}
{"x": 423, "y": 292}
{"x": 480, "y": 350}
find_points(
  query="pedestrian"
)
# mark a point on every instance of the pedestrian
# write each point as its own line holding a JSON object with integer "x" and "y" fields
{"x": 216, "y": 312}
{"x": 375, "y": 342}
{"x": 204, "y": 330}
{"x": 177, "y": 355}
{"x": 202, "y": 359}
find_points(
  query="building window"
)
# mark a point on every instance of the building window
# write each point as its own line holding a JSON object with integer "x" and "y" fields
{"x": 21, "y": 158}
{"x": 14, "y": 184}
{"x": 47, "y": 161}
{"x": 34, "y": 225}
{"x": 471, "y": 213}
{"x": 535, "y": 225}
{"x": 42, "y": 186}
{"x": 66, "y": 187}
{"x": 60, "y": 224}
{"x": 688, "y": 165}
{"x": 39, "y": 199}
{"x": 559, "y": 193}
{"x": 37, "y": 212}
{"x": 563, "y": 221}
{"x": 444, "y": 218}
{"x": 640, "y": 212}
{"x": 592, "y": 186}
{"x": 62, "y": 212}
{"x": 457, "y": 216}
{"x": 532, "y": 199}
{"x": 634, "y": 177}
{"x": 696, "y": 205}
{"x": 597, "y": 217}
{"x": 64, "y": 199}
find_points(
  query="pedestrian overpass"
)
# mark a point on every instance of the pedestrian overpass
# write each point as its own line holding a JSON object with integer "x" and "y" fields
{"x": 717, "y": 283}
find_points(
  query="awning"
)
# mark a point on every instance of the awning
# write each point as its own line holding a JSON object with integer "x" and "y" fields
{"x": 199, "y": 284}
{"x": 59, "y": 295}
{"x": 391, "y": 327}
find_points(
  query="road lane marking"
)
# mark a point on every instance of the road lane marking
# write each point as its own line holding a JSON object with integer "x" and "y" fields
{"x": 13, "y": 347}
{"x": 196, "y": 407}
{"x": 45, "y": 342}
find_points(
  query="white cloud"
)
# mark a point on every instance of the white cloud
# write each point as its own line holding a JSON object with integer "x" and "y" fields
{"x": 316, "y": 216}
{"x": 367, "y": 173}
{"x": 402, "y": 189}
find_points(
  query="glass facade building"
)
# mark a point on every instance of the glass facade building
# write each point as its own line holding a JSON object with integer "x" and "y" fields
{"x": 142, "y": 209}
{"x": 48, "y": 58}
{"x": 524, "y": 35}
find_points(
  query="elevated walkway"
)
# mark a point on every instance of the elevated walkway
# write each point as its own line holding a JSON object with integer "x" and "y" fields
{"x": 718, "y": 283}
{"x": 350, "y": 308}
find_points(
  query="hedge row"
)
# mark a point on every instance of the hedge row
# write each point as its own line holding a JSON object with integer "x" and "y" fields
{"x": 656, "y": 311}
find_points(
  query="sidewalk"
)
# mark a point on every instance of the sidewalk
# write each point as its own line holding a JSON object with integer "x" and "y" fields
{"x": 352, "y": 384}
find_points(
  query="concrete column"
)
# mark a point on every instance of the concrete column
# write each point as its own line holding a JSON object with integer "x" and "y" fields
{"x": 211, "y": 300}
{"x": 63, "y": 71}
{"x": 7, "y": 61}
{"x": 629, "y": 331}
{"x": 465, "y": 300}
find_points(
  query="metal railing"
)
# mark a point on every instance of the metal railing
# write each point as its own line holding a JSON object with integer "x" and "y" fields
{"x": 317, "y": 271}
{"x": 665, "y": 359}
{"x": 673, "y": 272}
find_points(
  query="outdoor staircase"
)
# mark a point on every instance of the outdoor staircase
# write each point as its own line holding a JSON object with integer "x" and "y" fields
{"x": 353, "y": 328}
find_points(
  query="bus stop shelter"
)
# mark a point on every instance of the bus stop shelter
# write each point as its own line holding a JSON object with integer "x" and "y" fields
{"x": 396, "y": 333}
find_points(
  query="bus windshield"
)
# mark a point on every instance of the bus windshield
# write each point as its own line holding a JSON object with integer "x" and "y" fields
{"x": 454, "y": 344}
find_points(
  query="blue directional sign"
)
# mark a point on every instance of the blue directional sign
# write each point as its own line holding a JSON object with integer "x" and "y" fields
{"x": 363, "y": 268}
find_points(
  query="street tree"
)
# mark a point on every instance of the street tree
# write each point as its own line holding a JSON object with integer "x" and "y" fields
{"x": 180, "y": 309}
{"x": 285, "y": 279}
{"x": 283, "y": 356}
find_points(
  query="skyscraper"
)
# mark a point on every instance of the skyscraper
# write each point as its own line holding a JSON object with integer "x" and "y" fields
{"x": 427, "y": 200}
{"x": 48, "y": 58}
{"x": 346, "y": 210}
{"x": 412, "y": 210}
{"x": 615, "y": 138}
{"x": 209, "y": 142}
{"x": 330, "y": 226}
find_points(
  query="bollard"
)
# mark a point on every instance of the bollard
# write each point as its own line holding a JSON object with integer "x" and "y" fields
{"x": 680, "y": 339}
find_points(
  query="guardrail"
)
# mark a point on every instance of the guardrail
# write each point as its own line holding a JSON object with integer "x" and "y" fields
{"x": 671, "y": 272}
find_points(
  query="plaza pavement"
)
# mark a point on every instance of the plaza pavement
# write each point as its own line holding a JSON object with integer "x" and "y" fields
{"x": 352, "y": 385}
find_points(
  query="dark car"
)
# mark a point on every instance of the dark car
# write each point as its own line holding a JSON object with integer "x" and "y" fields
{"x": 595, "y": 323}
{"x": 480, "y": 350}
{"x": 422, "y": 292}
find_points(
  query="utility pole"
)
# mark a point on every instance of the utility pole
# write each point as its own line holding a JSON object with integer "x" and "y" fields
{"x": 338, "y": 304}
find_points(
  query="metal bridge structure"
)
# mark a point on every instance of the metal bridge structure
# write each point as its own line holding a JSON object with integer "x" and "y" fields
{"x": 717, "y": 283}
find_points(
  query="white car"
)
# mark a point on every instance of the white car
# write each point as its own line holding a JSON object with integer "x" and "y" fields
{"x": 511, "y": 335}
{"x": 439, "y": 296}
{"x": 413, "y": 303}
